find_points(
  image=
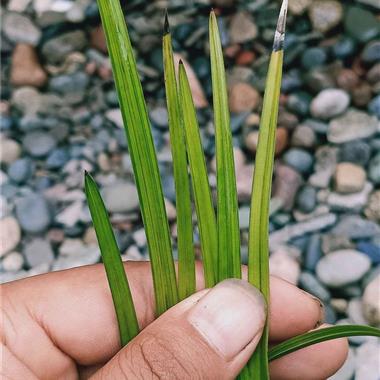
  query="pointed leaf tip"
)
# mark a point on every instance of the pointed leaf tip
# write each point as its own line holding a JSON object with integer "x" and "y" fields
{"x": 279, "y": 36}
{"x": 166, "y": 24}
{"x": 180, "y": 62}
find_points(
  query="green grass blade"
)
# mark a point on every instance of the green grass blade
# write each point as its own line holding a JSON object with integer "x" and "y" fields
{"x": 258, "y": 245}
{"x": 229, "y": 262}
{"x": 186, "y": 258}
{"x": 201, "y": 188}
{"x": 321, "y": 335}
{"x": 141, "y": 148}
{"x": 117, "y": 279}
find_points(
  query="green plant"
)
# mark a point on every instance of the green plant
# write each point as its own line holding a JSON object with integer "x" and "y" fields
{"x": 219, "y": 232}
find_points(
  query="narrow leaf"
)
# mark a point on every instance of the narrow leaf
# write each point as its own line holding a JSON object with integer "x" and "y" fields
{"x": 201, "y": 188}
{"x": 141, "y": 148}
{"x": 318, "y": 336}
{"x": 186, "y": 259}
{"x": 121, "y": 294}
{"x": 227, "y": 211}
{"x": 258, "y": 247}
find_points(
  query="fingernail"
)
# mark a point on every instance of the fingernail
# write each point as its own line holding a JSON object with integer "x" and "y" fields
{"x": 230, "y": 316}
{"x": 321, "y": 318}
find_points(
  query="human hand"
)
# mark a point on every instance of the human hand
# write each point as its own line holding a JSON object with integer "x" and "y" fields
{"x": 62, "y": 326}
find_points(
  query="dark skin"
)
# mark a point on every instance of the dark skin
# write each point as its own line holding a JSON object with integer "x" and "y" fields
{"x": 62, "y": 326}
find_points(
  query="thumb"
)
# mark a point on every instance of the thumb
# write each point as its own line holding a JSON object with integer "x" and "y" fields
{"x": 210, "y": 335}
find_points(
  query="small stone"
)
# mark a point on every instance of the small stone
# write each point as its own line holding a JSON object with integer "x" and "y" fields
{"x": 374, "y": 169}
{"x": 325, "y": 15}
{"x": 171, "y": 212}
{"x": 33, "y": 213}
{"x": 56, "y": 49}
{"x": 356, "y": 227}
{"x": 242, "y": 28}
{"x": 10, "y": 234}
{"x": 367, "y": 361}
{"x": 38, "y": 251}
{"x": 309, "y": 283}
{"x": 69, "y": 83}
{"x": 347, "y": 371}
{"x": 313, "y": 252}
{"x": 371, "y": 304}
{"x": 306, "y": 199}
{"x": 244, "y": 177}
{"x": 21, "y": 170}
{"x": 9, "y": 150}
{"x": 371, "y": 54}
{"x": 303, "y": 137}
{"x": 133, "y": 254}
{"x": 20, "y": 29}
{"x": 12, "y": 262}
{"x": 352, "y": 125}
{"x": 361, "y": 94}
{"x": 284, "y": 266}
{"x": 114, "y": 115}
{"x": 299, "y": 159}
{"x": 343, "y": 267}
{"x": 347, "y": 80}
{"x": 139, "y": 237}
{"x": 372, "y": 210}
{"x": 372, "y": 3}
{"x": 26, "y": 69}
{"x": 98, "y": 39}
{"x": 39, "y": 143}
{"x": 121, "y": 197}
{"x": 356, "y": 151}
{"x": 244, "y": 217}
{"x": 159, "y": 117}
{"x": 361, "y": 24}
{"x": 329, "y": 103}
{"x": 71, "y": 215}
{"x": 374, "y": 106}
{"x": 349, "y": 178}
{"x": 344, "y": 47}
{"x": 243, "y": 98}
{"x": 57, "y": 158}
{"x": 286, "y": 184}
{"x": 298, "y": 7}
{"x": 313, "y": 57}
{"x": 332, "y": 242}
{"x": 281, "y": 140}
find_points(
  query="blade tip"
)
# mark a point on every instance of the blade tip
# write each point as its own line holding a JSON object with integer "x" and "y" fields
{"x": 280, "y": 29}
{"x": 166, "y": 24}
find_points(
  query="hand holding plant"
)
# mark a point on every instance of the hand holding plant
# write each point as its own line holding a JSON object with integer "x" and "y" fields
{"x": 64, "y": 326}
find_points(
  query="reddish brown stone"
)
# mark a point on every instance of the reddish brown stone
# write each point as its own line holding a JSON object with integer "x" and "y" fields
{"x": 347, "y": 79}
{"x": 243, "y": 97}
{"x": 362, "y": 94}
{"x": 245, "y": 58}
{"x": 98, "y": 39}
{"x": 281, "y": 140}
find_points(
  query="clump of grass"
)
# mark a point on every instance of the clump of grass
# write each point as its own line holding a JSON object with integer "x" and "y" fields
{"x": 219, "y": 232}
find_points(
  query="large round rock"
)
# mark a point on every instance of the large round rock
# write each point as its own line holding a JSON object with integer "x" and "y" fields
{"x": 121, "y": 197}
{"x": 342, "y": 267}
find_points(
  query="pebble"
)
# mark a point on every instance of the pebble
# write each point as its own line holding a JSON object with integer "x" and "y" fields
{"x": 292, "y": 231}
{"x": 361, "y": 24}
{"x": 329, "y": 103}
{"x": 356, "y": 151}
{"x": 371, "y": 304}
{"x": 56, "y": 49}
{"x": 368, "y": 358}
{"x": 121, "y": 197}
{"x": 299, "y": 159}
{"x": 38, "y": 143}
{"x": 310, "y": 283}
{"x": 298, "y": 7}
{"x": 332, "y": 242}
{"x": 159, "y": 117}
{"x": 244, "y": 177}
{"x": 20, "y": 29}
{"x": 57, "y": 158}
{"x": 356, "y": 227}
{"x": 33, "y": 213}
{"x": 243, "y": 98}
{"x": 38, "y": 251}
{"x": 343, "y": 267}
{"x": 69, "y": 83}
{"x": 349, "y": 178}
{"x": 306, "y": 199}
{"x": 372, "y": 210}
{"x": 13, "y": 262}
{"x": 325, "y": 15}
{"x": 352, "y": 125}
{"x": 313, "y": 252}
{"x": 313, "y": 57}
{"x": 283, "y": 266}
{"x": 374, "y": 169}
{"x": 303, "y": 137}
{"x": 26, "y": 69}
{"x": 370, "y": 53}
{"x": 374, "y": 106}
{"x": 114, "y": 116}
{"x": 242, "y": 28}
{"x": 286, "y": 184}
{"x": 10, "y": 234}
{"x": 21, "y": 170}
{"x": 10, "y": 150}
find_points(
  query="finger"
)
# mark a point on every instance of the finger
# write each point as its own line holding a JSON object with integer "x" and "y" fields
{"x": 210, "y": 335}
{"x": 316, "y": 362}
{"x": 76, "y": 311}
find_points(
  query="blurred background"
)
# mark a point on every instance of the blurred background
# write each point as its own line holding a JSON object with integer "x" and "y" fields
{"x": 60, "y": 116}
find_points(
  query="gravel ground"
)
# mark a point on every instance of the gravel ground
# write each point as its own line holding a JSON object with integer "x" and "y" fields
{"x": 59, "y": 117}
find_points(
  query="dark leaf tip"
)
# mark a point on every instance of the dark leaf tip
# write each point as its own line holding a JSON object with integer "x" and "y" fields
{"x": 166, "y": 24}
{"x": 279, "y": 36}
